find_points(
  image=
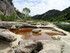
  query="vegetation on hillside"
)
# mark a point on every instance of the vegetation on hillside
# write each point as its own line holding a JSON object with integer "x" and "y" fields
{"x": 8, "y": 18}
{"x": 24, "y": 15}
{"x": 55, "y": 16}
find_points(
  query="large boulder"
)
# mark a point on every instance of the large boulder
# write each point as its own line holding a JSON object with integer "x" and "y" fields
{"x": 7, "y": 36}
{"x": 28, "y": 46}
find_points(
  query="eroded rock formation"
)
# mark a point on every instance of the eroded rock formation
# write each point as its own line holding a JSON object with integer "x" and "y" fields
{"x": 7, "y": 7}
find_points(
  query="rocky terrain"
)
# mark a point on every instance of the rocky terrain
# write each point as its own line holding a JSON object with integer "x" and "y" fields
{"x": 11, "y": 25}
{"x": 13, "y": 43}
{"x": 7, "y": 7}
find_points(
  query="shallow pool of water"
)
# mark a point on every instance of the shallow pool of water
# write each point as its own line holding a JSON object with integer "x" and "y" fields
{"x": 27, "y": 34}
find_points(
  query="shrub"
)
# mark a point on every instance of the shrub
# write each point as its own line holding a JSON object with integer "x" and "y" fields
{"x": 8, "y": 18}
{"x": 2, "y": 17}
{"x": 17, "y": 26}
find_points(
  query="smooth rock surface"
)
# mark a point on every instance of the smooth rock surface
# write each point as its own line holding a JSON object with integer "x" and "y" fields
{"x": 6, "y": 36}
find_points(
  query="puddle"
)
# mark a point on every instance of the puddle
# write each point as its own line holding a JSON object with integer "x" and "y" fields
{"x": 54, "y": 34}
{"x": 27, "y": 34}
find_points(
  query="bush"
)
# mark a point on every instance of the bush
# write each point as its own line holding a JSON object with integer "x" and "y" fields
{"x": 2, "y": 17}
{"x": 8, "y": 18}
{"x": 17, "y": 26}
{"x": 11, "y": 17}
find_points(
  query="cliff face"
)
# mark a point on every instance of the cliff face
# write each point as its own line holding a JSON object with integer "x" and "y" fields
{"x": 7, "y": 7}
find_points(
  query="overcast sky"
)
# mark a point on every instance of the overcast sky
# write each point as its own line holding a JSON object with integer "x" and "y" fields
{"x": 41, "y": 6}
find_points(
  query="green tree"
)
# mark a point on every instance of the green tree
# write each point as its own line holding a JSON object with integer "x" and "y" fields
{"x": 26, "y": 12}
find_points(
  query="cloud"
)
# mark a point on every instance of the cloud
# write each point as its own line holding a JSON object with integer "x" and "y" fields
{"x": 41, "y": 6}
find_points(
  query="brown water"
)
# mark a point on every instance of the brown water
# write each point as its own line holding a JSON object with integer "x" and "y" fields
{"x": 27, "y": 34}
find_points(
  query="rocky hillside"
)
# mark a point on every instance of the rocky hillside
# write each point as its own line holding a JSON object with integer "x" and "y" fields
{"x": 7, "y": 7}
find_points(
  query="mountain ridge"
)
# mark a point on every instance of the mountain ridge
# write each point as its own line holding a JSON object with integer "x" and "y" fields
{"x": 54, "y": 14}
